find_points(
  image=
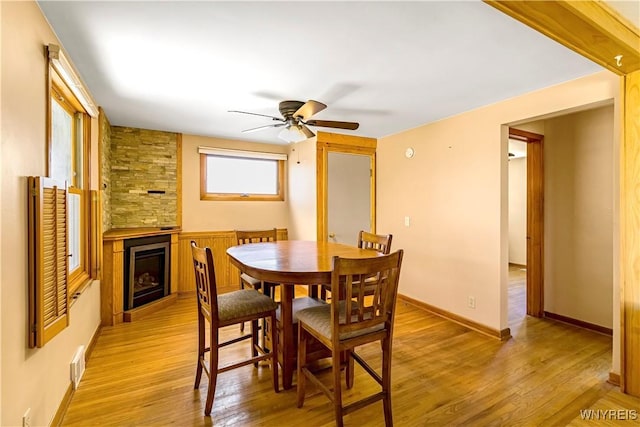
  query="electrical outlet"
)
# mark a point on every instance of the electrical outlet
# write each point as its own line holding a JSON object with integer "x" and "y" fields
{"x": 471, "y": 302}
{"x": 26, "y": 418}
{"x": 407, "y": 221}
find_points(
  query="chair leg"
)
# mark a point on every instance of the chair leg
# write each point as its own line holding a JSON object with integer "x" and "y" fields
{"x": 337, "y": 388}
{"x": 302, "y": 361}
{"x": 386, "y": 381}
{"x": 201, "y": 346}
{"x": 349, "y": 370}
{"x": 254, "y": 340}
{"x": 213, "y": 370}
{"x": 241, "y": 288}
{"x": 268, "y": 290}
{"x": 274, "y": 353}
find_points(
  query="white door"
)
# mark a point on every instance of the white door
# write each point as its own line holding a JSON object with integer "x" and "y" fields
{"x": 349, "y": 196}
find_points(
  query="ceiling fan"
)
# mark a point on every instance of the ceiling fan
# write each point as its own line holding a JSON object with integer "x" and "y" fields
{"x": 295, "y": 119}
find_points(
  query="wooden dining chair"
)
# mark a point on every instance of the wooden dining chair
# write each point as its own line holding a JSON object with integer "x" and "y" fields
{"x": 352, "y": 320}
{"x": 256, "y": 236}
{"x": 224, "y": 310}
{"x": 377, "y": 242}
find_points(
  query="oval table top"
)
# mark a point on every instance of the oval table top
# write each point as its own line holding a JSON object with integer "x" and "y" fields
{"x": 293, "y": 261}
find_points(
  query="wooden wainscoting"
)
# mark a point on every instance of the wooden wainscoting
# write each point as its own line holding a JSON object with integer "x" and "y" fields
{"x": 219, "y": 241}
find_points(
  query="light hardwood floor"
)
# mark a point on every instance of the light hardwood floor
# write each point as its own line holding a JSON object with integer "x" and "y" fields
{"x": 141, "y": 374}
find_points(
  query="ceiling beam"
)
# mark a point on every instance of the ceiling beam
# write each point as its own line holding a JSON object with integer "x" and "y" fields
{"x": 591, "y": 28}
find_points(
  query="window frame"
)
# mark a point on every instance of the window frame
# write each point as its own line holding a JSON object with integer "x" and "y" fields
{"x": 204, "y": 195}
{"x": 59, "y": 89}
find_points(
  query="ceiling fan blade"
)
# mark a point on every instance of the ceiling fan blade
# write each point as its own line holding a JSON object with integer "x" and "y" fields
{"x": 307, "y": 131}
{"x": 308, "y": 109}
{"x": 333, "y": 124}
{"x": 257, "y": 114}
{"x": 276, "y": 125}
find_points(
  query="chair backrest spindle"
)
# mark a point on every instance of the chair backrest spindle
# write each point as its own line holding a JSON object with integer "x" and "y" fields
{"x": 205, "y": 281}
{"x": 377, "y": 242}
{"x": 256, "y": 236}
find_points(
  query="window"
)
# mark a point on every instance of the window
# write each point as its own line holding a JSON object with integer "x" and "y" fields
{"x": 60, "y": 206}
{"x": 68, "y": 142}
{"x": 241, "y": 175}
{"x": 60, "y": 211}
{"x": 69, "y": 160}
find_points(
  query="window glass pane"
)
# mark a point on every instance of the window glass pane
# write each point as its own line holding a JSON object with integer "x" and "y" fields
{"x": 241, "y": 176}
{"x": 74, "y": 236}
{"x": 61, "y": 143}
{"x": 78, "y": 154}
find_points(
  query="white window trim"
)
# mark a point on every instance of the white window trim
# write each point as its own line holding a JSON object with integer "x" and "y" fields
{"x": 72, "y": 79}
{"x": 240, "y": 153}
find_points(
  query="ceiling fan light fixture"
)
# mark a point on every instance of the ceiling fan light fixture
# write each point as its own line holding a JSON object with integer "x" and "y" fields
{"x": 295, "y": 119}
{"x": 293, "y": 133}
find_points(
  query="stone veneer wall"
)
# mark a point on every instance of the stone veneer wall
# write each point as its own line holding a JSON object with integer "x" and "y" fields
{"x": 144, "y": 172}
{"x": 105, "y": 169}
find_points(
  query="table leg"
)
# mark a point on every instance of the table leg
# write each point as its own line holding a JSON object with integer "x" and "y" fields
{"x": 288, "y": 338}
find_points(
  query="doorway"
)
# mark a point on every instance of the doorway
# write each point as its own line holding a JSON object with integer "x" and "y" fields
{"x": 335, "y": 152}
{"x": 348, "y": 196}
{"x": 516, "y": 285}
{"x": 571, "y": 206}
{"x": 535, "y": 220}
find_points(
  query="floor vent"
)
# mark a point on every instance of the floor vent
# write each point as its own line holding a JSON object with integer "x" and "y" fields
{"x": 77, "y": 367}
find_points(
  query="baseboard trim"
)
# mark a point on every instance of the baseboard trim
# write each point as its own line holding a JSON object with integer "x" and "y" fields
{"x": 579, "y": 323}
{"x": 62, "y": 409}
{"x": 614, "y": 379}
{"x": 92, "y": 343}
{"x": 66, "y": 400}
{"x": 502, "y": 335}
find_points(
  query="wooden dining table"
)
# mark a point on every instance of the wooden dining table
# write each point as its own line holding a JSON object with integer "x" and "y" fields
{"x": 290, "y": 263}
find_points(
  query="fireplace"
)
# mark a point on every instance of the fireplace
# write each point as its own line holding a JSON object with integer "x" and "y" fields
{"x": 146, "y": 270}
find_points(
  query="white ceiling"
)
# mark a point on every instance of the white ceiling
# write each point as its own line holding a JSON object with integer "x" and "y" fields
{"x": 391, "y": 66}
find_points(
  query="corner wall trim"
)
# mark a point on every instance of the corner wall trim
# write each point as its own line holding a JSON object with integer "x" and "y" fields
{"x": 502, "y": 335}
{"x": 579, "y": 323}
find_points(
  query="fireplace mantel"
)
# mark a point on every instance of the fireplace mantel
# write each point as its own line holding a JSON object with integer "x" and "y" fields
{"x": 112, "y": 286}
{"x": 129, "y": 233}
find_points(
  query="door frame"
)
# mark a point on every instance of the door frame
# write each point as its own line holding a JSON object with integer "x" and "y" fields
{"x": 535, "y": 219}
{"x": 576, "y": 25}
{"x": 332, "y": 142}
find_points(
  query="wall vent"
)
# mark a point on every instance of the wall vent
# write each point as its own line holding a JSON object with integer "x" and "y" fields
{"x": 77, "y": 367}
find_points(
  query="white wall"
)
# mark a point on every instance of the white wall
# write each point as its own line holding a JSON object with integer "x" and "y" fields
{"x": 302, "y": 190}
{"x": 455, "y": 189}
{"x": 208, "y": 215}
{"x": 578, "y": 216}
{"x": 29, "y": 378}
{"x": 518, "y": 210}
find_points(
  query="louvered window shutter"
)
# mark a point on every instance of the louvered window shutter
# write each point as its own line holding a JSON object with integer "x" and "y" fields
{"x": 48, "y": 298}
